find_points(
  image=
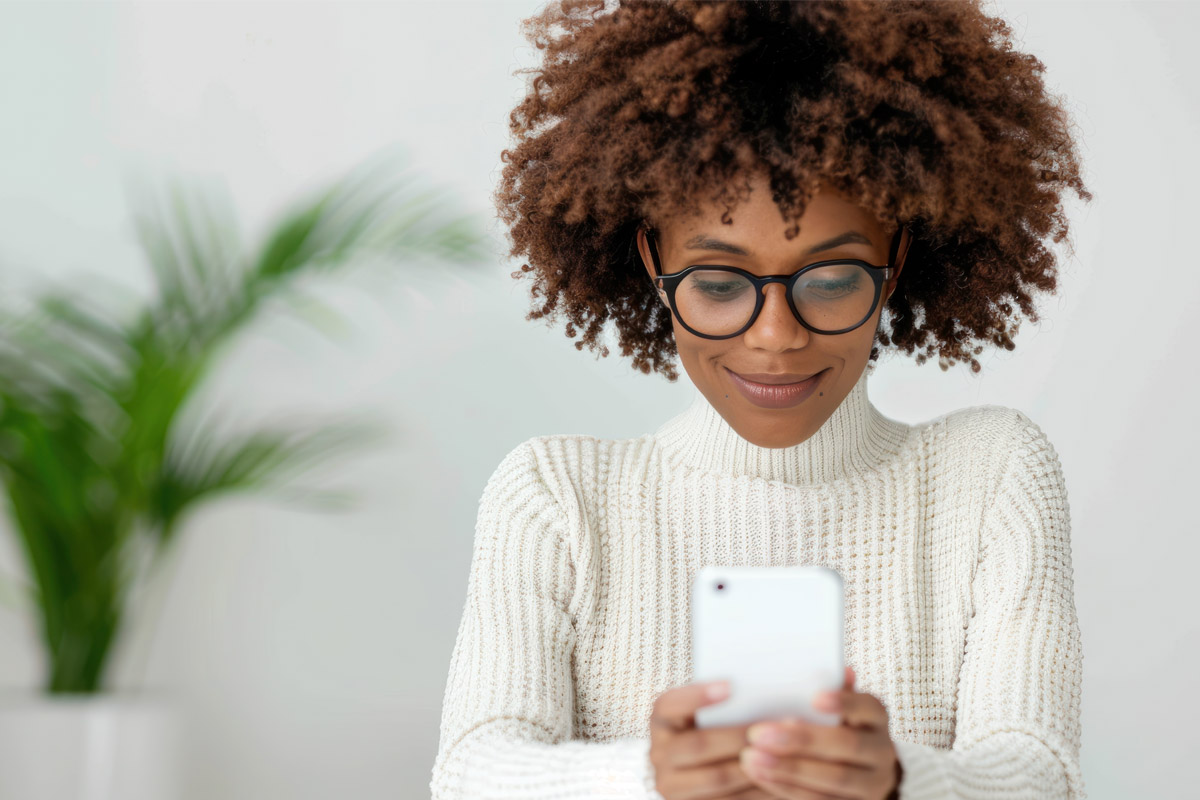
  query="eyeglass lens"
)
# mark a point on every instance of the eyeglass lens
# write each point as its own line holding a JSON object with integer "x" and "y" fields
{"x": 829, "y": 298}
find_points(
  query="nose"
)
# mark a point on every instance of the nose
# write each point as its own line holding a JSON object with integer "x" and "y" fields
{"x": 776, "y": 327}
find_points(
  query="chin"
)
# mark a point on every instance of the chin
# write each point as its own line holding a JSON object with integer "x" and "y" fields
{"x": 786, "y": 428}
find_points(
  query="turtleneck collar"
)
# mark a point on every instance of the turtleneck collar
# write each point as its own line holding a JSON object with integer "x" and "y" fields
{"x": 856, "y": 439}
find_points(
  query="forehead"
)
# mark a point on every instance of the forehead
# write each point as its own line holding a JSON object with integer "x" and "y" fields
{"x": 750, "y": 195}
{"x": 757, "y": 225}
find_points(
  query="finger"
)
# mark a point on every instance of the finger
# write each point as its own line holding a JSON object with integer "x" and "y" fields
{"x": 754, "y": 792}
{"x": 800, "y": 738}
{"x": 822, "y": 778}
{"x": 862, "y": 710}
{"x": 696, "y": 746}
{"x": 830, "y": 700}
{"x": 751, "y": 792}
{"x": 676, "y": 708}
{"x": 788, "y": 791}
{"x": 717, "y": 780}
{"x": 857, "y": 709}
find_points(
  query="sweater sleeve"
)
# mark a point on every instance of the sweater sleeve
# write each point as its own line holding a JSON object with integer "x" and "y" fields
{"x": 1017, "y": 732}
{"x": 508, "y": 709}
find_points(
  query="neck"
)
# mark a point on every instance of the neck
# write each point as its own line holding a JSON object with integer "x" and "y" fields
{"x": 855, "y": 440}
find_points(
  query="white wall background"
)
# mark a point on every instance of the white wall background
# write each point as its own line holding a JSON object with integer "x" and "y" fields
{"x": 316, "y": 646}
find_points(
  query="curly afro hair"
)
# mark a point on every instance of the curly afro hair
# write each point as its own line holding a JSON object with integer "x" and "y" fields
{"x": 920, "y": 112}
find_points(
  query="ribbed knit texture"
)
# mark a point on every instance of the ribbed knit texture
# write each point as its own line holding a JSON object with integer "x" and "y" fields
{"x": 952, "y": 538}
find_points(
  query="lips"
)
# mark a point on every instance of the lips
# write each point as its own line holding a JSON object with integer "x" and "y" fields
{"x": 775, "y": 395}
{"x": 775, "y": 378}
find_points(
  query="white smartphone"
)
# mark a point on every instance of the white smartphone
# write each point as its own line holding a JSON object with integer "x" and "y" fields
{"x": 775, "y": 633}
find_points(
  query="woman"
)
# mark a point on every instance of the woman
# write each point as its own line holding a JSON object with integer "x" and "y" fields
{"x": 866, "y": 157}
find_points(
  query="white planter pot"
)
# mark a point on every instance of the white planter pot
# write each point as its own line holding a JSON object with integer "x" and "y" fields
{"x": 107, "y": 746}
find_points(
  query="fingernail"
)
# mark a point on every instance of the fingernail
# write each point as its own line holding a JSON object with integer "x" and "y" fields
{"x": 718, "y": 690}
{"x": 764, "y": 734}
{"x": 826, "y": 701}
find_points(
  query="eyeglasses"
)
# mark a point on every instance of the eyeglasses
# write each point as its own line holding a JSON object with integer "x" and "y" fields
{"x": 720, "y": 302}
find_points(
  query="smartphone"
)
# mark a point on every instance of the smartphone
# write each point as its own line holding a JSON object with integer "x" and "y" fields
{"x": 775, "y": 633}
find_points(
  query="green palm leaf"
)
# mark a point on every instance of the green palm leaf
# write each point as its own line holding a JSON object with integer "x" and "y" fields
{"x": 95, "y": 449}
{"x": 263, "y": 459}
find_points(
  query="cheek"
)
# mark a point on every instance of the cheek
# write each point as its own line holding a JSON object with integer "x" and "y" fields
{"x": 700, "y": 350}
{"x": 702, "y": 358}
{"x": 856, "y": 345}
{"x": 694, "y": 352}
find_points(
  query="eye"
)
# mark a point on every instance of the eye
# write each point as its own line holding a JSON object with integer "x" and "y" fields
{"x": 832, "y": 288}
{"x": 719, "y": 287}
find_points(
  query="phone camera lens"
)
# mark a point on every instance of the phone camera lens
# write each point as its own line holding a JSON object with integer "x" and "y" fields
{"x": 720, "y": 586}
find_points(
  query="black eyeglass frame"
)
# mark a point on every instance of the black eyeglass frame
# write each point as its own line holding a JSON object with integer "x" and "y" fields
{"x": 669, "y": 283}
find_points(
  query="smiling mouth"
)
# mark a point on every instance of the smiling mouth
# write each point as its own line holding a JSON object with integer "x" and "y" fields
{"x": 776, "y": 395}
{"x": 775, "y": 379}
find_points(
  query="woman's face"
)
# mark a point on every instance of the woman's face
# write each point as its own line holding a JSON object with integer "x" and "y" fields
{"x": 777, "y": 342}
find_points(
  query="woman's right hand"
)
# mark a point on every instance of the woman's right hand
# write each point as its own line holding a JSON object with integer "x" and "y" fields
{"x": 693, "y": 763}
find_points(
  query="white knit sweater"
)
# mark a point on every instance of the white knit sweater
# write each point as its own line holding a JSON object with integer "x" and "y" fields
{"x": 952, "y": 537}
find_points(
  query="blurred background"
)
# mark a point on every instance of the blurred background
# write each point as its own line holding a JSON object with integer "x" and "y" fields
{"x": 314, "y": 646}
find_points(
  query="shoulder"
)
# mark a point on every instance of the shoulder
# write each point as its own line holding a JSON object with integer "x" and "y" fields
{"x": 570, "y": 467}
{"x": 1024, "y": 473}
{"x": 1020, "y": 445}
{"x": 995, "y": 429}
{"x": 992, "y": 427}
{"x": 994, "y": 444}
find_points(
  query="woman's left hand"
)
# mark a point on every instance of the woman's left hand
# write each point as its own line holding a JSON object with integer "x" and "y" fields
{"x": 855, "y": 759}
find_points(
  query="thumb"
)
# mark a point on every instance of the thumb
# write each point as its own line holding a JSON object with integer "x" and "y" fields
{"x": 675, "y": 708}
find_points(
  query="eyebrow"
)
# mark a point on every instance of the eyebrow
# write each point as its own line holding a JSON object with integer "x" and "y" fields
{"x": 704, "y": 242}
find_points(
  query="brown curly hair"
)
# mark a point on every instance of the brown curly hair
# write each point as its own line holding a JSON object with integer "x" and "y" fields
{"x": 921, "y": 112}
